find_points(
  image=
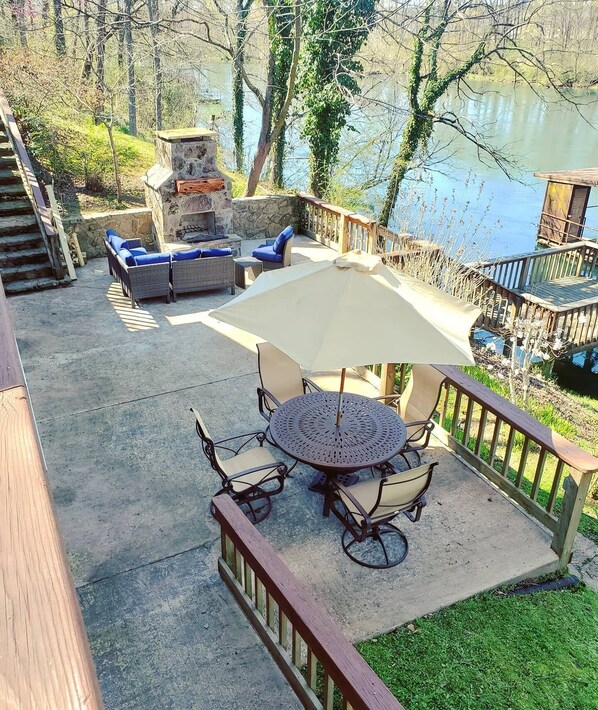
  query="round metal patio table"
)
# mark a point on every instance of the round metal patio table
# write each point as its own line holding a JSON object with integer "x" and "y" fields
{"x": 369, "y": 434}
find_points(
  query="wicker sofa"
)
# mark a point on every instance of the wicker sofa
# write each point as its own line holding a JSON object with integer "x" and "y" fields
{"x": 202, "y": 272}
{"x": 144, "y": 275}
{"x": 146, "y": 280}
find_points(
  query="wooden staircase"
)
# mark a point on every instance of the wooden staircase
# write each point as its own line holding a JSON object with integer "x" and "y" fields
{"x": 24, "y": 260}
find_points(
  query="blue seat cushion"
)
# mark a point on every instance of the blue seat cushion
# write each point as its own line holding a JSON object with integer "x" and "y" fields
{"x": 118, "y": 243}
{"x": 138, "y": 251}
{"x": 266, "y": 253}
{"x": 216, "y": 252}
{"x": 151, "y": 259}
{"x": 282, "y": 239}
{"x": 186, "y": 255}
{"x": 127, "y": 257}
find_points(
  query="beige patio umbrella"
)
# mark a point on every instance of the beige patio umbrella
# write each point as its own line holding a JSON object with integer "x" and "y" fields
{"x": 352, "y": 310}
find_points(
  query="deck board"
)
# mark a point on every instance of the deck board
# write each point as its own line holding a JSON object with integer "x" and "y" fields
{"x": 568, "y": 291}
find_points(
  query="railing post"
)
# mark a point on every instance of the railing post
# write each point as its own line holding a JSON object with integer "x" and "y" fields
{"x": 524, "y": 272}
{"x": 387, "y": 378}
{"x": 343, "y": 237}
{"x": 576, "y": 487}
{"x": 373, "y": 238}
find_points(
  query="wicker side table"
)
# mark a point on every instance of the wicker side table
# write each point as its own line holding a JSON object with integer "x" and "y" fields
{"x": 247, "y": 269}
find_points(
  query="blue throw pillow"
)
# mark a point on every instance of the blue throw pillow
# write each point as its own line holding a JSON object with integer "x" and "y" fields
{"x": 109, "y": 234}
{"x": 184, "y": 255}
{"x": 216, "y": 252}
{"x": 118, "y": 243}
{"x": 127, "y": 257}
{"x": 151, "y": 259}
{"x": 282, "y": 239}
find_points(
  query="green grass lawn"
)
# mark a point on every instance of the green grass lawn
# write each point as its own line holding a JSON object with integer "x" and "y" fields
{"x": 495, "y": 651}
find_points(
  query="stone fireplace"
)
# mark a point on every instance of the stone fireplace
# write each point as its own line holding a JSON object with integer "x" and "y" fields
{"x": 189, "y": 197}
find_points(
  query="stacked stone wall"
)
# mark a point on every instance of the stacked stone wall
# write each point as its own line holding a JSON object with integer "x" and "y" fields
{"x": 261, "y": 217}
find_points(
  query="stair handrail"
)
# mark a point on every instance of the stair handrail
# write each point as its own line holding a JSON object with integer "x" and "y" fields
{"x": 32, "y": 187}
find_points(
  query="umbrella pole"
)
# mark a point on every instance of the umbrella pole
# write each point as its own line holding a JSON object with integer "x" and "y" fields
{"x": 340, "y": 397}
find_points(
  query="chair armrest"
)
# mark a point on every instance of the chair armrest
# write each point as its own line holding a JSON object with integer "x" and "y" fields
{"x": 277, "y": 466}
{"x": 262, "y": 396}
{"x": 311, "y": 385}
{"x": 248, "y": 437}
{"x": 390, "y": 399}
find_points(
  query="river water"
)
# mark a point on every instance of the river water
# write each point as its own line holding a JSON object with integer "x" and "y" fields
{"x": 542, "y": 136}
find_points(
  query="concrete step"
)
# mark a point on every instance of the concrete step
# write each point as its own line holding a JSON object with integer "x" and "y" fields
{"x": 16, "y": 190}
{"x": 8, "y": 161}
{"x": 11, "y": 207}
{"x": 18, "y": 257}
{"x": 9, "y": 177}
{"x": 24, "y": 286}
{"x": 26, "y": 240}
{"x": 15, "y": 224}
{"x": 39, "y": 270}
{"x": 6, "y": 148}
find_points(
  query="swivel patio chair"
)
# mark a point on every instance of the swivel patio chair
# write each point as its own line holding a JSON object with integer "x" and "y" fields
{"x": 366, "y": 511}
{"x": 416, "y": 408}
{"x": 276, "y": 253}
{"x": 281, "y": 379}
{"x": 249, "y": 477}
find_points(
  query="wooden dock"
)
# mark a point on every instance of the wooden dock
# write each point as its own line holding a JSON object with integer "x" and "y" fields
{"x": 559, "y": 286}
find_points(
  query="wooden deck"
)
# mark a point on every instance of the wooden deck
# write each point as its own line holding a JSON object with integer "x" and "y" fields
{"x": 569, "y": 291}
{"x": 559, "y": 286}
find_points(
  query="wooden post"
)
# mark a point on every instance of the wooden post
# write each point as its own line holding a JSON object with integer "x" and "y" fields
{"x": 576, "y": 490}
{"x": 343, "y": 237}
{"x": 66, "y": 252}
{"x": 524, "y": 272}
{"x": 387, "y": 378}
{"x": 373, "y": 239}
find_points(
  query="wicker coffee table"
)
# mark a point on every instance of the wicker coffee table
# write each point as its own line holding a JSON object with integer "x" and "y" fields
{"x": 247, "y": 269}
{"x": 369, "y": 434}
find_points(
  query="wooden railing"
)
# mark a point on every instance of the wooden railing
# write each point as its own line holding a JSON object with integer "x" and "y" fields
{"x": 544, "y": 473}
{"x": 509, "y": 292}
{"x": 523, "y": 271}
{"x": 45, "y": 661}
{"x": 344, "y": 230}
{"x": 548, "y": 225}
{"x": 42, "y": 213}
{"x": 321, "y": 665}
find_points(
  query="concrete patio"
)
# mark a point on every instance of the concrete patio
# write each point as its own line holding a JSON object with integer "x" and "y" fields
{"x": 111, "y": 390}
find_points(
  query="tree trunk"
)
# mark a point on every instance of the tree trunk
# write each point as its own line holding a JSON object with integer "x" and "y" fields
{"x": 88, "y": 63}
{"x": 59, "y": 39}
{"x": 278, "y": 159}
{"x": 101, "y": 50}
{"x": 109, "y": 126}
{"x": 409, "y": 143}
{"x": 130, "y": 68}
{"x": 238, "y": 94}
{"x": 17, "y": 13}
{"x": 152, "y": 8}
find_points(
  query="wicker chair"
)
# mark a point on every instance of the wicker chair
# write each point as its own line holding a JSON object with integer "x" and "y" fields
{"x": 280, "y": 378}
{"x": 276, "y": 253}
{"x": 249, "y": 477}
{"x": 367, "y": 508}
{"x": 202, "y": 274}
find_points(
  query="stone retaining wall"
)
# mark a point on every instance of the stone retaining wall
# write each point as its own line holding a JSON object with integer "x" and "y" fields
{"x": 253, "y": 218}
{"x": 264, "y": 217}
{"x": 90, "y": 228}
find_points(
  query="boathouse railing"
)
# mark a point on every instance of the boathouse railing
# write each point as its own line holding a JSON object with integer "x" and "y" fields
{"x": 320, "y": 664}
{"x": 544, "y": 473}
{"x": 509, "y": 292}
{"x": 43, "y": 216}
{"x": 45, "y": 660}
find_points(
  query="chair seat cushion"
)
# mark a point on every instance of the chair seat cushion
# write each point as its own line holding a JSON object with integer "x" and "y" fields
{"x": 282, "y": 239}
{"x": 144, "y": 259}
{"x": 266, "y": 254}
{"x": 216, "y": 252}
{"x": 251, "y": 458}
{"x": 186, "y": 255}
{"x": 395, "y": 498}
